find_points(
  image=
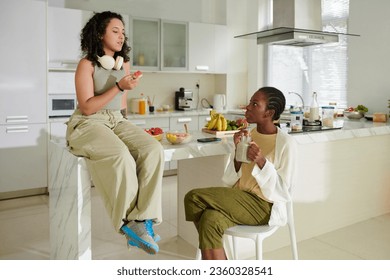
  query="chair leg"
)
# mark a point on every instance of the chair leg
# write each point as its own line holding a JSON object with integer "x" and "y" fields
{"x": 198, "y": 254}
{"x": 293, "y": 241}
{"x": 227, "y": 245}
{"x": 235, "y": 254}
{"x": 259, "y": 248}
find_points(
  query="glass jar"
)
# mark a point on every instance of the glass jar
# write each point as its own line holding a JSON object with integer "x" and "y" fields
{"x": 242, "y": 149}
{"x": 296, "y": 121}
{"x": 142, "y": 106}
{"x": 328, "y": 116}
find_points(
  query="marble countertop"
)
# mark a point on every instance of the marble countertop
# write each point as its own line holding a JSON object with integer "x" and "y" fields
{"x": 194, "y": 149}
{"x": 349, "y": 129}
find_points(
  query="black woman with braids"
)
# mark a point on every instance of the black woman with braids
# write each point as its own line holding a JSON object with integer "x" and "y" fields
{"x": 259, "y": 189}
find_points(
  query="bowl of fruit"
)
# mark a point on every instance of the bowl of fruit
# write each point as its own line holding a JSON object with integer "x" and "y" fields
{"x": 175, "y": 137}
{"x": 156, "y": 132}
{"x": 355, "y": 113}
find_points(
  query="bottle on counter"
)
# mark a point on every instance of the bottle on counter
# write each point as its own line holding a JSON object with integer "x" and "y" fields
{"x": 314, "y": 109}
{"x": 142, "y": 105}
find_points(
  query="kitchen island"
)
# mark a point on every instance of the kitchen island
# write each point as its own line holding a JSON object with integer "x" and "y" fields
{"x": 343, "y": 178}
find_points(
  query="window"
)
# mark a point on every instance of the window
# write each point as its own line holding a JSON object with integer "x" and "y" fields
{"x": 319, "y": 68}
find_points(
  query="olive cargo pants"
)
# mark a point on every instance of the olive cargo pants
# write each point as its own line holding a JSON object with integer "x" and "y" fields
{"x": 215, "y": 209}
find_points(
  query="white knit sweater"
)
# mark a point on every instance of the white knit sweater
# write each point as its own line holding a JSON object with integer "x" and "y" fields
{"x": 276, "y": 179}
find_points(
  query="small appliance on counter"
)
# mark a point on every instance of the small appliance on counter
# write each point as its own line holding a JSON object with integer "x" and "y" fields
{"x": 312, "y": 125}
{"x": 184, "y": 100}
{"x": 219, "y": 104}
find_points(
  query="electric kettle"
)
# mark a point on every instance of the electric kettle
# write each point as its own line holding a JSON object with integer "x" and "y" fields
{"x": 219, "y": 103}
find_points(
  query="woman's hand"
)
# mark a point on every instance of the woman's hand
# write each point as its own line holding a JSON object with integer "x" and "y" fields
{"x": 256, "y": 155}
{"x": 238, "y": 136}
{"x": 128, "y": 82}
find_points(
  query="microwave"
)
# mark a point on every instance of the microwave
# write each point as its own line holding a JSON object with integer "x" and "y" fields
{"x": 61, "y": 105}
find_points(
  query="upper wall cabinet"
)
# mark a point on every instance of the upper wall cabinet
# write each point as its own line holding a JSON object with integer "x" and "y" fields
{"x": 145, "y": 37}
{"x": 64, "y": 28}
{"x": 207, "y": 48}
{"x": 174, "y": 45}
{"x": 159, "y": 45}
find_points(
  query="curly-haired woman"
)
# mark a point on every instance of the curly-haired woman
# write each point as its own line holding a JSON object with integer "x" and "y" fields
{"x": 125, "y": 163}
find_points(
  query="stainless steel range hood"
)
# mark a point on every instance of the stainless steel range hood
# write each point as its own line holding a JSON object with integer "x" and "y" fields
{"x": 295, "y": 23}
{"x": 292, "y": 37}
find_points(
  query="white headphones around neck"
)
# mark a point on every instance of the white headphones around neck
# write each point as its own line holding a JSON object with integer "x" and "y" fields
{"x": 108, "y": 62}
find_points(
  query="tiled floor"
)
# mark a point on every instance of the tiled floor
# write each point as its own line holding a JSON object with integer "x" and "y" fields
{"x": 24, "y": 234}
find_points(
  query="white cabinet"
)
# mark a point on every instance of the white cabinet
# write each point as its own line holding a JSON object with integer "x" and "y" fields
{"x": 23, "y": 112}
{"x": 149, "y": 122}
{"x": 174, "y": 45}
{"x": 64, "y": 28}
{"x": 177, "y": 123}
{"x": 23, "y": 156}
{"x": 57, "y": 129}
{"x": 23, "y": 75}
{"x": 159, "y": 44}
{"x": 203, "y": 120}
{"x": 145, "y": 43}
{"x": 207, "y": 48}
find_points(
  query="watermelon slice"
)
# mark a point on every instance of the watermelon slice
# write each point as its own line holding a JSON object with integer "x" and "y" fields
{"x": 137, "y": 74}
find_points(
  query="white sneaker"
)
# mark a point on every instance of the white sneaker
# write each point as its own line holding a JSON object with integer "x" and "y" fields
{"x": 138, "y": 234}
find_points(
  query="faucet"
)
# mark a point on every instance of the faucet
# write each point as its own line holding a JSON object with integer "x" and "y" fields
{"x": 300, "y": 97}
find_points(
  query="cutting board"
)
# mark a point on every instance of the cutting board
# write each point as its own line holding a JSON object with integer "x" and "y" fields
{"x": 228, "y": 133}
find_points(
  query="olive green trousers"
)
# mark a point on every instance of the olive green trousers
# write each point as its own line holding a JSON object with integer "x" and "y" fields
{"x": 126, "y": 164}
{"x": 215, "y": 209}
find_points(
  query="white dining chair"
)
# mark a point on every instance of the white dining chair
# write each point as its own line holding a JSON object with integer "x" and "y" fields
{"x": 257, "y": 234}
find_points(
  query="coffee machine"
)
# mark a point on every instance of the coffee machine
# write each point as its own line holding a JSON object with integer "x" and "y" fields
{"x": 184, "y": 100}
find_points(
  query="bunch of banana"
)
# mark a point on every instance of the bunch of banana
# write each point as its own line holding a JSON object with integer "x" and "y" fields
{"x": 217, "y": 122}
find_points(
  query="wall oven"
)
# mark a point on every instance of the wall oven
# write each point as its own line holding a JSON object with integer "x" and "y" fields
{"x": 61, "y": 105}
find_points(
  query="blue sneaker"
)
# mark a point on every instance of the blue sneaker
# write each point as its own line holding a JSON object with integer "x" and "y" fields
{"x": 139, "y": 235}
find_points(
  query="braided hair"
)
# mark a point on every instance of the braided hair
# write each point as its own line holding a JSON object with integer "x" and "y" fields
{"x": 275, "y": 100}
{"x": 93, "y": 31}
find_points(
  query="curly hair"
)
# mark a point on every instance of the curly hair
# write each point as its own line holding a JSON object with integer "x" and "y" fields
{"x": 275, "y": 100}
{"x": 93, "y": 31}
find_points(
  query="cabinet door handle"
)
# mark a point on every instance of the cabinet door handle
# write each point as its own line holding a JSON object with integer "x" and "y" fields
{"x": 16, "y": 119}
{"x": 202, "y": 67}
{"x": 138, "y": 122}
{"x": 17, "y": 129}
{"x": 184, "y": 120}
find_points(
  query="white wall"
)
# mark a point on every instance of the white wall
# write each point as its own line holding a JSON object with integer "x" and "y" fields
{"x": 369, "y": 55}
